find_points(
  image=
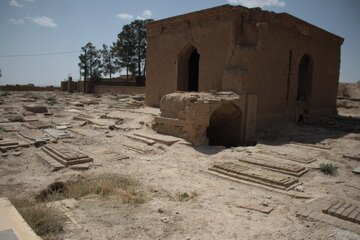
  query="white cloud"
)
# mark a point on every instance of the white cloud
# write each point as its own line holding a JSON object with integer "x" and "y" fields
{"x": 16, "y": 21}
{"x": 125, "y": 16}
{"x": 258, "y": 3}
{"x": 145, "y": 15}
{"x": 14, "y": 3}
{"x": 30, "y": 0}
{"x": 43, "y": 21}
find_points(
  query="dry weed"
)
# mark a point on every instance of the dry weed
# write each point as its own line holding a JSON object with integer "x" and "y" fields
{"x": 184, "y": 197}
{"x": 102, "y": 185}
{"x": 46, "y": 221}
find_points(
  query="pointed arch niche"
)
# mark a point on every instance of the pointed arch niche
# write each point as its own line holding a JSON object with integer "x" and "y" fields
{"x": 188, "y": 69}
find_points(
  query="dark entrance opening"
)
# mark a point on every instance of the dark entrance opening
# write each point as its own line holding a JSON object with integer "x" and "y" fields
{"x": 193, "y": 78}
{"x": 225, "y": 126}
{"x": 304, "y": 86}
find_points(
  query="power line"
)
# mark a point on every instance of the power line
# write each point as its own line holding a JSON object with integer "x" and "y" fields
{"x": 39, "y": 54}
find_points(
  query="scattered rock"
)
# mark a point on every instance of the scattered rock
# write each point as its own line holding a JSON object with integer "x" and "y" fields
{"x": 357, "y": 170}
{"x": 77, "y": 104}
{"x": 299, "y": 188}
{"x": 16, "y": 118}
{"x": 139, "y": 97}
{"x": 17, "y": 153}
{"x": 5, "y": 154}
{"x": 160, "y": 210}
{"x": 40, "y": 142}
{"x": 164, "y": 220}
{"x": 36, "y": 108}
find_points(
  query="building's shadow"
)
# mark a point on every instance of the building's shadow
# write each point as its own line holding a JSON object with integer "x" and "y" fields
{"x": 308, "y": 133}
{"x": 311, "y": 133}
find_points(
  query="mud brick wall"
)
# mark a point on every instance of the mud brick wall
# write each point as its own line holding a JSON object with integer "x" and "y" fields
{"x": 189, "y": 116}
{"x": 99, "y": 89}
{"x": 28, "y": 88}
{"x": 247, "y": 51}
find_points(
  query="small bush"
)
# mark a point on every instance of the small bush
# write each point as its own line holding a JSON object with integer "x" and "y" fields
{"x": 102, "y": 185}
{"x": 328, "y": 168}
{"x": 46, "y": 221}
{"x": 4, "y": 94}
{"x": 184, "y": 197}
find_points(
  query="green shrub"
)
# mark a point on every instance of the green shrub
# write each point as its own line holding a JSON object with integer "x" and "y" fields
{"x": 328, "y": 168}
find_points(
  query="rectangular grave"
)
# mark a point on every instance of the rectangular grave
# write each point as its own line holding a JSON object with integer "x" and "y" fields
{"x": 66, "y": 155}
{"x": 265, "y": 161}
{"x": 32, "y": 134}
{"x": 255, "y": 174}
{"x": 332, "y": 211}
{"x": 289, "y": 157}
{"x": 37, "y": 125}
{"x": 58, "y": 134}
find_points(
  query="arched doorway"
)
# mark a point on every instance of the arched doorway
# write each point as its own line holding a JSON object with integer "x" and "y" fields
{"x": 225, "y": 126}
{"x": 188, "y": 69}
{"x": 304, "y": 86}
{"x": 193, "y": 66}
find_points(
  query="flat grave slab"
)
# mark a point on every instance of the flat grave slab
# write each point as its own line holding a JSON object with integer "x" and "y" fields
{"x": 66, "y": 155}
{"x": 333, "y": 211}
{"x": 287, "y": 156}
{"x": 58, "y": 134}
{"x": 37, "y": 125}
{"x": 164, "y": 139}
{"x": 272, "y": 163}
{"x": 10, "y": 127}
{"x": 255, "y": 174}
{"x": 32, "y": 134}
{"x": 86, "y": 132}
{"x": 8, "y": 144}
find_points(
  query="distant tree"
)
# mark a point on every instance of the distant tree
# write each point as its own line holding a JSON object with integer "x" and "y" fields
{"x": 90, "y": 62}
{"x": 131, "y": 47}
{"x": 108, "y": 60}
{"x": 0, "y": 73}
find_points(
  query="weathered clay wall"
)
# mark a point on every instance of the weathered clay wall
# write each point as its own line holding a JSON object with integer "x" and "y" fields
{"x": 271, "y": 67}
{"x": 188, "y": 115}
{"x": 211, "y": 37}
{"x": 247, "y": 51}
{"x": 99, "y": 89}
{"x": 28, "y": 88}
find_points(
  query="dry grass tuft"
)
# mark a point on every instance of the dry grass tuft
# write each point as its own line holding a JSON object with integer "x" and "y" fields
{"x": 46, "y": 221}
{"x": 184, "y": 197}
{"x": 102, "y": 185}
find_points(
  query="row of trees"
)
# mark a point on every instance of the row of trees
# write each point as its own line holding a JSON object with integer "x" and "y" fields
{"x": 127, "y": 53}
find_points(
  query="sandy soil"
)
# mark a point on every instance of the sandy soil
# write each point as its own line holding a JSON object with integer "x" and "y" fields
{"x": 163, "y": 172}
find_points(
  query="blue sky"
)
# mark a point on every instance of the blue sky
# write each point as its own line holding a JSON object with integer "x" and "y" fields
{"x": 52, "y": 26}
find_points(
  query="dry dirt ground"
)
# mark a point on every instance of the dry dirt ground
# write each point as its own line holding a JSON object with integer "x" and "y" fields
{"x": 163, "y": 174}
